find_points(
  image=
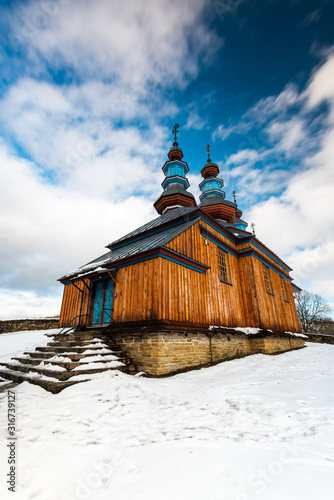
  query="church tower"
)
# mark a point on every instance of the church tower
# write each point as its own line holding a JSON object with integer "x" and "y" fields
{"x": 175, "y": 183}
{"x": 213, "y": 199}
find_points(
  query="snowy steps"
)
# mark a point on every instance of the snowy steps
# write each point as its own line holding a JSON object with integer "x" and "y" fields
{"x": 66, "y": 360}
{"x": 6, "y": 385}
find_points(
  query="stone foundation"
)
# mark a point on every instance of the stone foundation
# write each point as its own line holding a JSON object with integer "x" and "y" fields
{"x": 167, "y": 352}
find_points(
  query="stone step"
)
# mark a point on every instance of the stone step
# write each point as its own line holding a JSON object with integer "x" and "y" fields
{"x": 86, "y": 336}
{"x": 70, "y": 343}
{"x": 30, "y": 368}
{"x": 73, "y": 350}
{"x": 52, "y": 386}
{"x": 67, "y": 352}
{"x": 44, "y": 355}
{"x": 36, "y": 361}
{"x": 59, "y": 375}
{"x": 6, "y": 385}
{"x": 65, "y": 364}
{"x": 48, "y": 355}
{"x": 79, "y": 348}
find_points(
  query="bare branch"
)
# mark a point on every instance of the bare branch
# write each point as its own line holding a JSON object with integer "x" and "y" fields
{"x": 310, "y": 308}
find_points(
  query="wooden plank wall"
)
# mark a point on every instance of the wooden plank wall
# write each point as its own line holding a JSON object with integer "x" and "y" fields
{"x": 71, "y": 303}
{"x": 161, "y": 289}
{"x": 247, "y": 302}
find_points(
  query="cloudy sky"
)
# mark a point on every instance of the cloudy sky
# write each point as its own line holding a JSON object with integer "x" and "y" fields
{"x": 89, "y": 92}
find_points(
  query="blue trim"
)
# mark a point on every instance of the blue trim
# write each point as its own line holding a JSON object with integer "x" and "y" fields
{"x": 268, "y": 265}
{"x": 212, "y": 191}
{"x": 164, "y": 257}
{"x": 270, "y": 256}
{"x": 242, "y": 242}
{"x": 175, "y": 163}
{"x": 182, "y": 263}
{"x": 221, "y": 245}
{"x": 175, "y": 178}
{"x": 223, "y": 234}
{"x": 241, "y": 226}
{"x": 127, "y": 242}
{"x": 214, "y": 181}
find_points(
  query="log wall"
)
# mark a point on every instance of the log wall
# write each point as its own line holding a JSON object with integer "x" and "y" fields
{"x": 71, "y": 303}
{"x": 159, "y": 289}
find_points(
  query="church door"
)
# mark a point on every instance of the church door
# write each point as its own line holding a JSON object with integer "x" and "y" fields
{"x": 102, "y": 302}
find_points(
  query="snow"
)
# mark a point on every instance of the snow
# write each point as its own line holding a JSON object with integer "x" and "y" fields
{"x": 297, "y": 335}
{"x": 97, "y": 366}
{"x": 248, "y": 330}
{"x": 61, "y": 359}
{"x": 98, "y": 357}
{"x": 95, "y": 344}
{"x": 256, "y": 428}
{"x": 14, "y": 344}
{"x": 50, "y": 367}
{"x": 97, "y": 351}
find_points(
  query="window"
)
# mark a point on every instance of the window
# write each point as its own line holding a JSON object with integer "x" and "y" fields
{"x": 224, "y": 273}
{"x": 283, "y": 289}
{"x": 267, "y": 280}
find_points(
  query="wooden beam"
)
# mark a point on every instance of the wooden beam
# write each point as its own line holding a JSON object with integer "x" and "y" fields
{"x": 111, "y": 276}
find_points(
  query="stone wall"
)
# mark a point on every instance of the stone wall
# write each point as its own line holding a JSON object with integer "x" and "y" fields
{"x": 163, "y": 352}
{"x": 320, "y": 339}
{"x": 17, "y": 325}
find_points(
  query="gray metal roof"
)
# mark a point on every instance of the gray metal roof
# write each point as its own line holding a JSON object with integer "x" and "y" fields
{"x": 169, "y": 215}
{"x": 132, "y": 248}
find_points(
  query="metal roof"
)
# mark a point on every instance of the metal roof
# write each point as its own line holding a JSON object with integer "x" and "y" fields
{"x": 169, "y": 215}
{"x": 147, "y": 242}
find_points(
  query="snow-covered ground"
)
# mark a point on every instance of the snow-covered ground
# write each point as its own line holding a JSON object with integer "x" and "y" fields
{"x": 255, "y": 428}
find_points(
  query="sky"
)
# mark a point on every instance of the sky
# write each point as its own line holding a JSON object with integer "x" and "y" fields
{"x": 89, "y": 93}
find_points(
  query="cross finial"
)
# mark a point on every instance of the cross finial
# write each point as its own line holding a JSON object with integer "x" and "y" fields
{"x": 208, "y": 149}
{"x": 253, "y": 228}
{"x": 234, "y": 194}
{"x": 175, "y": 131}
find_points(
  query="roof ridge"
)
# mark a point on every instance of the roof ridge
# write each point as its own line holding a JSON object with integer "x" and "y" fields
{"x": 158, "y": 221}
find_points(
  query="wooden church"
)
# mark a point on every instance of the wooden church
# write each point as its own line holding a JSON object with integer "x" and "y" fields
{"x": 189, "y": 288}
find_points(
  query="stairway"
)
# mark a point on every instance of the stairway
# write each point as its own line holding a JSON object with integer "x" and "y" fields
{"x": 67, "y": 360}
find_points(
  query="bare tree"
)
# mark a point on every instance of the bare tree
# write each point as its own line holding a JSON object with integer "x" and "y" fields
{"x": 310, "y": 308}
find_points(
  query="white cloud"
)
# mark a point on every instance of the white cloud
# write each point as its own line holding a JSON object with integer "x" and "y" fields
{"x": 287, "y": 134}
{"x": 194, "y": 121}
{"x": 135, "y": 42}
{"x": 299, "y": 224}
{"x": 321, "y": 86}
{"x": 261, "y": 112}
{"x": 89, "y": 180}
{"x": 23, "y": 304}
{"x": 223, "y": 132}
{"x": 273, "y": 105}
{"x": 244, "y": 157}
{"x": 46, "y": 230}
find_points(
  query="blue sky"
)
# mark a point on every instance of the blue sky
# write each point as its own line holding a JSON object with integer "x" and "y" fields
{"x": 89, "y": 93}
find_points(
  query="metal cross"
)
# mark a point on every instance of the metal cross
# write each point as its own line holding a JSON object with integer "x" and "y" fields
{"x": 176, "y": 131}
{"x": 208, "y": 149}
{"x": 234, "y": 193}
{"x": 253, "y": 228}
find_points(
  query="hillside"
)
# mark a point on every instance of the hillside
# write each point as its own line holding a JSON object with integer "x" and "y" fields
{"x": 260, "y": 427}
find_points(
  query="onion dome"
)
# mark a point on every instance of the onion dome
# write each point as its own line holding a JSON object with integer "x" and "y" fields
{"x": 175, "y": 183}
{"x": 213, "y": 197}
{"x": 210, "y": 169}
{"x": 241, "y": 224}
